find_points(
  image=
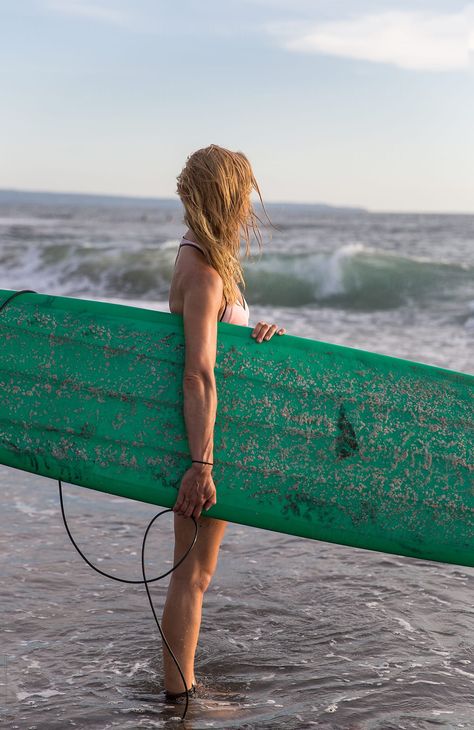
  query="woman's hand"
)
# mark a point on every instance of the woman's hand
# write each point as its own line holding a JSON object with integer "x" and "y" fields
{"x": 197, "y": 492}
{"x": 264, "y": 331}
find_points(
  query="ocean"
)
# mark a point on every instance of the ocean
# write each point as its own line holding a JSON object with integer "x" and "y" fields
{"x": 296, "y": 633}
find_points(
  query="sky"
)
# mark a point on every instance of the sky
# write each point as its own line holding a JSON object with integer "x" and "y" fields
{"x": 362, "y": 103}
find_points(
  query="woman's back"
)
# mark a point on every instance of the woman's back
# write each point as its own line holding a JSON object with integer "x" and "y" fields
{"x": 237, "y": 313}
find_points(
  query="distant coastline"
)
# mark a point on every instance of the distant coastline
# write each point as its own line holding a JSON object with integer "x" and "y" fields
{"x": 44, "y": 198}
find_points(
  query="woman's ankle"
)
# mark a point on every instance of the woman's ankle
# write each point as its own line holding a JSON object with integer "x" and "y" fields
{"x": 178, "y": 695}
{"x": 174, "y": 683}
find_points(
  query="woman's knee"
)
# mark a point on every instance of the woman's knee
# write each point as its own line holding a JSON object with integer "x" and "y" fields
{"x": 193, "y": 579}
{"x": 197, "y": 570}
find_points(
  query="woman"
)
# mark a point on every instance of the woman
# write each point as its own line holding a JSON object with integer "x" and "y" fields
{"x": 214, "y": 187}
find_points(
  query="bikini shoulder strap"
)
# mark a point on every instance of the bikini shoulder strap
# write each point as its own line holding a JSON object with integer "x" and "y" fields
{"x": 194, "y": 246}
{"x": 220, "y": 318}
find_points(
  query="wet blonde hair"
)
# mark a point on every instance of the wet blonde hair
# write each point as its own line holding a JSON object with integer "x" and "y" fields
{"x": 214, "y": 187}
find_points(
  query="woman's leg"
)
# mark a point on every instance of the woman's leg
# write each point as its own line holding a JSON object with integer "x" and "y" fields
{"x": 182, "y": 612}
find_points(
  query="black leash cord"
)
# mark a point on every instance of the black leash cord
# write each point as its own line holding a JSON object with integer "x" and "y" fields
{"x": 145, "y": 580}
{"x": 15, "y": 294}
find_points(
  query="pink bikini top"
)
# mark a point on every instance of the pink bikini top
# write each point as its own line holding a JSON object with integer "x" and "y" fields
{"x": 235, "y": 313}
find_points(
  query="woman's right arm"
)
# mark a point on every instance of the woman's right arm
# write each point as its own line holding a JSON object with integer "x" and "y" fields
{"x": 202, "y": 301}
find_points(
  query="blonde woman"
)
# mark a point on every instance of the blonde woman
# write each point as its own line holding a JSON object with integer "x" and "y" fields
{"x": 215, "y": 187}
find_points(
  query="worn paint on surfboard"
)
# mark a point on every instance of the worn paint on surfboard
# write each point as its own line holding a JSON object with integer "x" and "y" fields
{"x": 311, "y": 438}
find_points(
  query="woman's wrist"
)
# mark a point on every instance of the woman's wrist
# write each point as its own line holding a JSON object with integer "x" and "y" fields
{"x": 202, "y": 465}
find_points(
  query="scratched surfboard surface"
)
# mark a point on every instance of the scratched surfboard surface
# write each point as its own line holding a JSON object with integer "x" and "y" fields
{"x": 311, "y": 438}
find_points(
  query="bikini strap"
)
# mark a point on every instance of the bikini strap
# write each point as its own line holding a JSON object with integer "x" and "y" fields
{"x": 194, "y": 246}
{"x": 220, "y": 318}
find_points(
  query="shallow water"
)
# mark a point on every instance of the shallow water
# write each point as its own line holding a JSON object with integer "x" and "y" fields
{"x": 296, "y": 633}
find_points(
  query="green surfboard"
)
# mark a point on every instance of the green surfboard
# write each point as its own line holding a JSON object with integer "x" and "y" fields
{"x": 311, "y": 439}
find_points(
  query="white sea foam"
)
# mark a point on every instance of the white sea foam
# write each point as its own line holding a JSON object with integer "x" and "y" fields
{"x": 45, "y": 693}
{"x": 405, "y": 624}
{"x": 31, "y": 511}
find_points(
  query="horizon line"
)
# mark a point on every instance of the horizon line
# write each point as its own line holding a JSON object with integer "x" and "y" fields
{"x": 176, "y": 199}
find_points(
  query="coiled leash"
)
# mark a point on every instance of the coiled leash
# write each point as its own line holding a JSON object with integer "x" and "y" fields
{"x": 145, "y": 580}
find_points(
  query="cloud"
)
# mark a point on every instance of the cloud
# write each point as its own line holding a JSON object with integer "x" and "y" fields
{"x": 408, "y": 39}
{"x": 95, "y": 10}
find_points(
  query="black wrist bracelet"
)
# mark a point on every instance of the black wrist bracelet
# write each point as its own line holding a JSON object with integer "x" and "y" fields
{"x": 196, "y": 461}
